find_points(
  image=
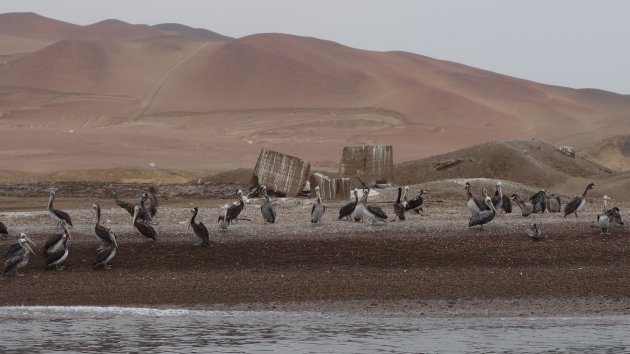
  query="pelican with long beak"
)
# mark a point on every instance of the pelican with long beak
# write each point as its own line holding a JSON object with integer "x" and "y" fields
{"x": 199, "y": 229}
{"x": 268, "y": 213}
{"x": 484, "y": 216}
{"x": 14, "y": 248}
{"x": 107, "y": 253}
{"x": 59, "y": 256}
{"x": 577, "y": 203}
{"x": 234, "y": 210}
{"x": 346, "y": 211}
{"x": 57, "y": 215}
{"x": 19, "y": 260}
{"x": 318, "y": 209}
{"x": 144, "y": 228}
{"x": 57, "y": 243}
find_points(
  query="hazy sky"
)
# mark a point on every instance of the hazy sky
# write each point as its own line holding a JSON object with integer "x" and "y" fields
{"x": 574, "y": 43}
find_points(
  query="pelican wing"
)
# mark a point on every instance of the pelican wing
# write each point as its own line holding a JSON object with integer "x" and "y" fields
{"x": 415, "y": 203}
{"x": 399, "y": 209}
{"x": 347, "y": 210}
{"x": 52, "y": 240}
{"x": 125, "y": 205}
{"x": 480, "y": 218}
{"x": 153, "y": 203}
{"x": 3, "y": 229}
{"x": 572, "y": 206}
{"x": 539, "y": 201}
{"x": 12, "y": 262}
{"x": 145, "y": 229}
{"x": 233, "y": 211}
{"x": 13, "y": 250}
{"x": 507, "y": 204}
{"x": 378, "y": 212}
{"x": 63, "y": 216}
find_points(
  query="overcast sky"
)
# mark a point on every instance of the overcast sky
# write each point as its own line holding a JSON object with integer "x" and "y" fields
{"x": 574, "y": 43}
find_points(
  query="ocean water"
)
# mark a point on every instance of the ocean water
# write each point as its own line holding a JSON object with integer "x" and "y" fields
{"x": 116, "y": 329}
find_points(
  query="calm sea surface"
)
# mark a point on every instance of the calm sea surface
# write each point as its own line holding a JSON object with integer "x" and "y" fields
{"x": 115, "y": 329}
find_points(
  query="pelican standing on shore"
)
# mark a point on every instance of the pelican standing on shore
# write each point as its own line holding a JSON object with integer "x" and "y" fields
{"x": 373, "y": 213}
{"x": 14, "y": 248}
{"x": 56, "y": 243}
{"x": 107, "y": 253}
{"x": 399, "y": 208}
{"x": 346, "y": 211}
{"x": 144, "y": 228}
{"x": 318, "y": 210}
{"x": 474, "y": 205}
{"x": 526, "y": 206}
{"x": 125, "y": 205}
{"x": 577, "y": 203}
{"x": 604, "y": 220}
{"x": 57, "y": 215}
{"x": 416, "y": 204}
{"x": 57, "y": 257}
{"x": 4, "y": 233}
{"x": 268, "y": 213}
{"x": 234, "y": 210}
{"x": 153, "y": 202}
{"x": 553, "y": 203}
{"x": 199, "y": 229}
{"x": 484, "y": 216}
{"x": 223, "y": 224}
{"x": 359, "y": 210}
{"x": 102, "y": 233}
{"x": 539, "y": 201}
{"x": 404, "y": 197}
{"x": 19, "y": 259}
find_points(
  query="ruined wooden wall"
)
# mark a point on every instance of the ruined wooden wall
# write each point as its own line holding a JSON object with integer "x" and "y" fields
{"x": 370, "y": 163}
{"x": 281, "y": 173}
{"x": 330, "y": 188}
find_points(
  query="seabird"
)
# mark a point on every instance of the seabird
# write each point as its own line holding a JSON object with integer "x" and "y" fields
{"x": 234, "y": 210}
{"x": 553, "y": 203}
{"x": 404, "y": 197}
{"x": 578, "y": 202}
{"x": 4, "y": 233}
{"x": 57, "y": 215}
{"x": 399, "y": 208}
{"x": 484, "y": 216}
{"x": 346, "y": 210}
{"x": 144, "y": 213}
{"x": 223, "y": 224}
{"x": 56, "y": 243}
{"x": 102, "y": 233}
{"x": 533, "y": 232}
{"x": 269, "y": 215}
{"x": 416, "y": 203}
{"x": 14, "y": 248}
{"x": 58, "y": 256}
{"x": 539, "y": 201}
{"x": 153, "y": 202}
{"x": 318, "y": 210}
{"x": 359, "y": 210}
{"x": 526, "y": 206}
{"x": 144, "y": 228}
{"x": 372, "y": 212}
{"x": 125, "y": 205}
{"x": 199, "y": 229}
{"x": 604, "y": 219}
{"x": 19, "y": 259}
{"x": 107, "y": 253}
{"x": 474, "y": 205}
{"x": 500, "y": 200}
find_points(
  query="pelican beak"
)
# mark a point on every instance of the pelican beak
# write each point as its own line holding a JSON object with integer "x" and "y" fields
{"x": 115, "y": 242}
{"x": 29, "y": 241}
{"x": 30, "y": 249}
{"x": 495, "y": 209}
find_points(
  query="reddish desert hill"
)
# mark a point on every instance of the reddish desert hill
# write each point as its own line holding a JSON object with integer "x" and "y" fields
{"x": 135, "y": 93}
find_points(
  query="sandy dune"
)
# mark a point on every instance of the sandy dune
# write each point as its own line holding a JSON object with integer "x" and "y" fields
{"x": 118, "y": 95}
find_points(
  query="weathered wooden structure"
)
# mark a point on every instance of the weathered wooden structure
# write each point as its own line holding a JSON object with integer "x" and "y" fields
{"x": 282, "y": 174}
{"x": 370, "y": 164}
{"x": 330, "y": 188}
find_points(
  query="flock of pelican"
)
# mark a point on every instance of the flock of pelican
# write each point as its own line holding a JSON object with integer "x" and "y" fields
{"x": 482, "y": 212}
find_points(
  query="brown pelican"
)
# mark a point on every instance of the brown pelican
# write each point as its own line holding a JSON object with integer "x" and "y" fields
{"x": 57, "y": 215}
{"x": 539, "y": 201}
{"x": 359, "y": 209}
{"x": 144, "y": 213}
{"x": 269, "y": 215}
{"x": 107, "y": 253}
{"x": 59, "y": 256}
{"x": 399, "y": 208}
{"x": 553, "y": 203}
{"x": 102, "y": 233}
{"x": 404, "y": 197}
{"x": 125, "y": 205}
{"x": 604, "y": 219}
{"x": 474, "y": 205}
{"x": 605, "y": 200}
{"x": 199, "y": 229}
{"x": 56, "y": 243}
{"x": 416, "y": 203}
{"x": 533, "y": 232}
{"x": 577, "y": 203}
{"x": 14, "y": 248}
{"x": 223, "y": 224}
{"x": 144, "y": 228}
{"x": 318, "y": 210}
{"x": 526, "y": 206}
{"x": 501, "y": 201}
{"x": 346, "y": 210}
{"x": 234, "y": 210}
{"x": 373, "y": 213}
{"x": 4, "y": 233}
{"x": 484, "y": 216}
{"x": 19, "y": 259}
{"x": 153, "y": 203}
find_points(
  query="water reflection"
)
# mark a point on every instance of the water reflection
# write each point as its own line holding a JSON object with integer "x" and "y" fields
{"x": 35, "y": 329}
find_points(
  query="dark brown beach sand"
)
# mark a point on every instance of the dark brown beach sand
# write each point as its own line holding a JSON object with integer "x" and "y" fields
{"x": 428, "y": 265}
